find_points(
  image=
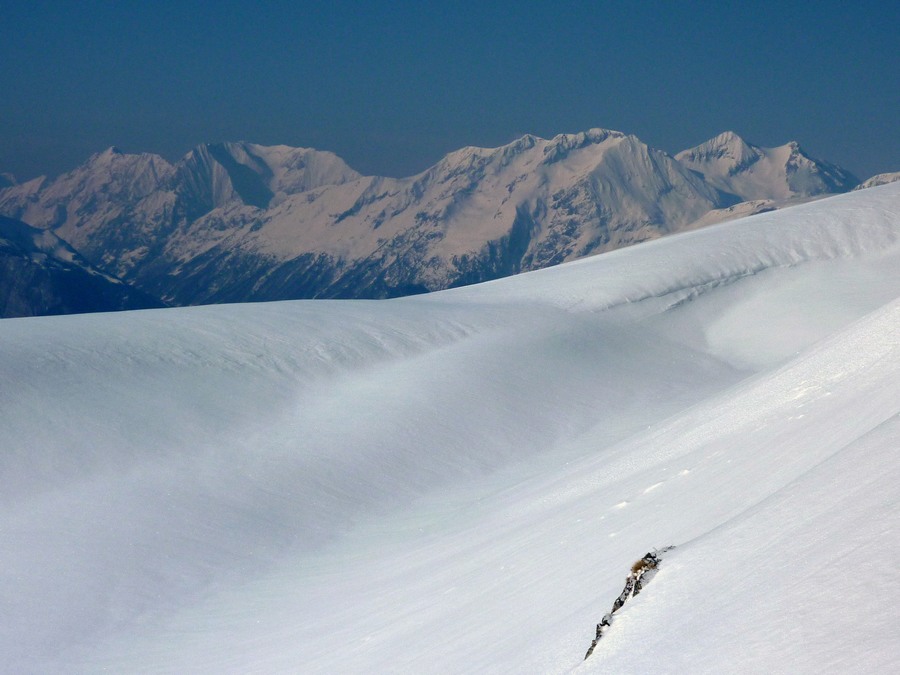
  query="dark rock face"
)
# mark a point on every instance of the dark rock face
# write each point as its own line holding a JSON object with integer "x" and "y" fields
{"x": 642, "y": 571}
{"x": 41, "y": 276}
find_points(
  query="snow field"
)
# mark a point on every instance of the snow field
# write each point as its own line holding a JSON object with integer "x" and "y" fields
{"x": 459, "y": 482}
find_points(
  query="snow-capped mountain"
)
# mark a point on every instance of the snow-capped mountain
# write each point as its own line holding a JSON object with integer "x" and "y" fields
{"x": 40, "y": 274}
{"x": 879, "y": 179}
{"x": 477, "y": 214}
{"x": 216, "y": 175}
{"x": 237, "y": 221}
{"x": 118, "y": 209}
{"x": 460, "y": 482}
{"x": 748, "y": 172}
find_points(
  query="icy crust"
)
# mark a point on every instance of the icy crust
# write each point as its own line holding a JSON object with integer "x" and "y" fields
{"x": 455, "y": 483}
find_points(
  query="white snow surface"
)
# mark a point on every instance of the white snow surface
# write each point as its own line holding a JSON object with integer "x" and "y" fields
{"x": 459, "y": 482}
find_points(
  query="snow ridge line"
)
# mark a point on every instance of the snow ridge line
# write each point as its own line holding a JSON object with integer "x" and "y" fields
{"x": 642, "y": 571}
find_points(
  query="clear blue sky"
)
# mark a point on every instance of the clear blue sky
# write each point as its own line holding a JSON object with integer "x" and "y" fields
{"x": 392, "y": 86}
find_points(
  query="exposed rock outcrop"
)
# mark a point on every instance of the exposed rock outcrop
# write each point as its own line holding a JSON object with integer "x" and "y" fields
{"x": 642, "y": 571}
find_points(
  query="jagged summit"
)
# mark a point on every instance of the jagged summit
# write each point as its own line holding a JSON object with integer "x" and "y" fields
{"x": 527, "y": 153}
{"x": 551, "y": 150}
{"x": 728, "y": 151}
{"x": 257, "y": 175}
{"x": 115, "y": 158}
{"x": 747, "y": 171}
{"x": 560, "y": 146}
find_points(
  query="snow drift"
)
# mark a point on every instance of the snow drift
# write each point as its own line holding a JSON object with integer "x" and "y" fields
{"x": 459, "y": 482}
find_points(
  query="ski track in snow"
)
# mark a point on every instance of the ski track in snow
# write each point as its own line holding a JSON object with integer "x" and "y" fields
{"x": 459, "y": 482}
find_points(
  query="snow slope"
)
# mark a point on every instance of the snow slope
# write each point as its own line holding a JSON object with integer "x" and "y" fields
{"x": 459, "y": 482}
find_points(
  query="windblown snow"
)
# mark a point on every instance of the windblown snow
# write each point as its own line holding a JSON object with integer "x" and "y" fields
{"x": 459, "y": 482}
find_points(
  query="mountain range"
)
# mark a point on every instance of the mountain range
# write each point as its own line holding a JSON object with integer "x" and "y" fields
{"x": 234, "y": 222}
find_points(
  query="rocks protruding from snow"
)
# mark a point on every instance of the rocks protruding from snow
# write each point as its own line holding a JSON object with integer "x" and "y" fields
{"x": 563, "y": 144}
{"x": 748, "y": 172}
{"x": 642, "y": 571}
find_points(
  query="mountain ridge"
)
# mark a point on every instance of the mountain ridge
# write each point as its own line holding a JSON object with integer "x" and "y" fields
{"x": 41, "y": 275}
{"x": 749, "y": 172}
{"x": 237, "y": 221}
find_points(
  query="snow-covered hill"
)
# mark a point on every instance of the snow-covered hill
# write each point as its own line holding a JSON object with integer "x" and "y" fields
{"x": 879, "y": 179}
{"x": 459, "y": 482}
{"x": 236, "y": 221}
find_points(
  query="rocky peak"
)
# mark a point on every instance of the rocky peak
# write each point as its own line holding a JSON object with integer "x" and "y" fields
{"x": 746, "y": 171}
{"x": 562, "y": 145}
{"x": 728, "y": 151}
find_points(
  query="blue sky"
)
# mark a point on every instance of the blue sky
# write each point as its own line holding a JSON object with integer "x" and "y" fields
{"x": 392, "y": 86}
